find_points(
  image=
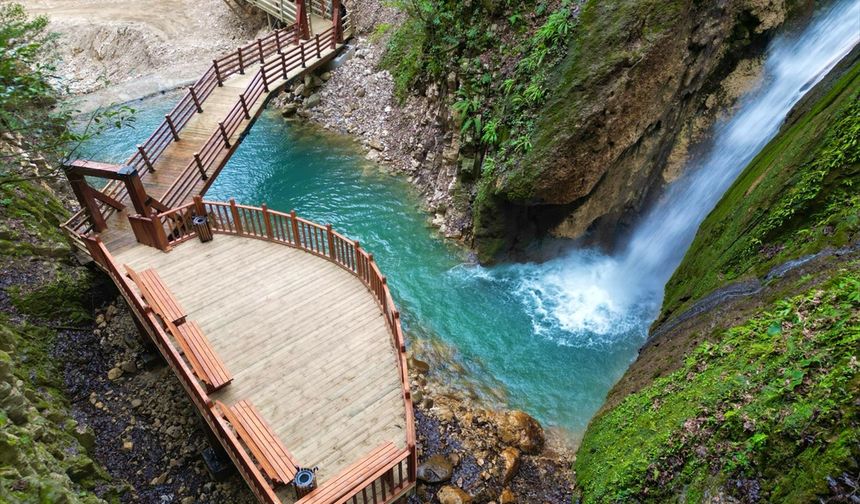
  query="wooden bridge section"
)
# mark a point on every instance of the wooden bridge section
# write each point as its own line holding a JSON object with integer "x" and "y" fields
{"x": 186, "y": 152}
{"x": 282, "y": 331}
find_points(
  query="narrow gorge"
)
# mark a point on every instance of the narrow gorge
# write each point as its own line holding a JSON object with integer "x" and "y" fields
{"x": 620, "y": 238}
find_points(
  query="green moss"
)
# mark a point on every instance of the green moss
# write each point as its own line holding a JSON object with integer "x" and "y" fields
{"x": 609, "y": 36}
{"x": 41, "y": 458}
{"x": 404, "y": 56}
{"x": 64, "y": 298}
{"x": 30, "y": 217}
{"x": 796, "y": 197}
{"x": 770, "y": 409}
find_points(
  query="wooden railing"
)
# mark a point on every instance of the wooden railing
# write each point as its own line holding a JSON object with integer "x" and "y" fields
{"x": 201, "y": 400}
{"x": 293, "y": 231}
{"x": 270, "y": 73}
{"x": 285, "y": 10}
{"x": 191, "y": 102}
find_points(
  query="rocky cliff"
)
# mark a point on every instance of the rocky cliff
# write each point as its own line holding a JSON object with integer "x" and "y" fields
{"x": 635, "y": 93}
{"x": 562, "y": 117}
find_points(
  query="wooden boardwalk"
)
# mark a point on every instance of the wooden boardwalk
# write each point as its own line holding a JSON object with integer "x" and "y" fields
{"x": 282, "y": 331}
{"x": 185, "y": 154}
{"x": 304, "y": 339}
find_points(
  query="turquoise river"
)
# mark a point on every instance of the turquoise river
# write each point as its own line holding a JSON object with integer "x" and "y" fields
{"x": 484, "y": 329}
{"x": 550, "y": 338}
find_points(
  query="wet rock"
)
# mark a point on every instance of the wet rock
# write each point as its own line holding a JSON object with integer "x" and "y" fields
{"x": 312, "y": 101}
{"x": 510, "y": 464}
{"x": 114, "y": 374}
{"x": 325, "y": 76}
{"x": 418, "y": 366}
{"x": 507, "y": 497}
{"x": 128, "y": 367}
{"x": 436, "y": 469}
{"x": 136, "y": 403}
{"x": 453, "y": 495}
{"x": 289, "y": 109}
{"x": 519, "y": 429}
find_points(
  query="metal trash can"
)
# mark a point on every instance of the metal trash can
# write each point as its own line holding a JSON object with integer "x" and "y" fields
{"x": 202, "y": 228}
{"x": 305, "y": 481}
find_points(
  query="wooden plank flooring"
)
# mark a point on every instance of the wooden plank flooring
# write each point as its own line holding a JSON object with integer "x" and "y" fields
{"x": 177, "y": 156}
{"x": 304, "y": 339}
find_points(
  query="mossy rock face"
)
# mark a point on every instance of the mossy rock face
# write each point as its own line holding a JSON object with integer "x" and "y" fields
{"x": 43, "y": 461}
{"x": 30, "y": 218}
{"x": 632, "y": 89}
{"x": 798, "y": 196}
{"x": 767, "y": 413}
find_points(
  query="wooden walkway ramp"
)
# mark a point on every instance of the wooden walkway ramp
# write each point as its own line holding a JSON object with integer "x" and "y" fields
{"x": 283, "y": 332}
{"x": 184, "y": 155}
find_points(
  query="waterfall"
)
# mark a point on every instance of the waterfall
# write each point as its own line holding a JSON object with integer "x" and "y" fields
{"x": 589, "y": 297}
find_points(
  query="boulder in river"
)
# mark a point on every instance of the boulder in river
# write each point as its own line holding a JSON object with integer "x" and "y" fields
{"x": 436, "y": 469}
{"x": 453, "y": 495}
{"x": 519, "y": 429}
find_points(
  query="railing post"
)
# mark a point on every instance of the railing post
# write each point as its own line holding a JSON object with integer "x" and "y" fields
{"x": 267, "y": 220}
{"x": 241, "y": 62}
{"x": 196, "y": 100}
{"x": 302, "y": 51}
{"x": 217, "y": 73}
{"x": 200, "y": 167}
{"x": 302, "y": 18}
{"x": 172, "y": 127}
{"x": 331, "y": 252}
{"x": 260, "y": 47}
{"x": 146, "y": 160}
{"x": 244, "y": 105}
{"x": 265, "y": 80}
{"x": 237, "y": 221}
{"x": 358, "y": 261}
{"x": 198, "y": 205}
{"x": 278, "y": 39}
{"x": 337, "y": 22}
{"x": 317, "y": 39}
{"x": 224, "y": 134}
{"x": 295, "y": 224}
{"x": 411, "y": 468}
{"x": 83, "y": 193}
{"x": 159, "y": 235}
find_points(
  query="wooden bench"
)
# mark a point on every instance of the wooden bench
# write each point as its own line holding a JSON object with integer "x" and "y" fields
{"x": 355, "y": 477}
{"x": 157, "y": 295}
{"x": 203, "y": 358}
{"x": 277, "y": 462}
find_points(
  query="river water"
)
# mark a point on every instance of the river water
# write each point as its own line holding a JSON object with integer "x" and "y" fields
{"x": 550, "y": 338}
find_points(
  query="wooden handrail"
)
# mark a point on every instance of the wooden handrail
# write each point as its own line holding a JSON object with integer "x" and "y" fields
{"x": 290, "y": 230}
{"x": 299, "y": 55}
{"x": 201, "y": 400}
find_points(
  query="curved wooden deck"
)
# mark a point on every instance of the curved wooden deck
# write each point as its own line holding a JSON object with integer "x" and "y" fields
{"x": 304, "y": 339}
{"x": 282, "y": 331}
{"x": 303, "y": 320}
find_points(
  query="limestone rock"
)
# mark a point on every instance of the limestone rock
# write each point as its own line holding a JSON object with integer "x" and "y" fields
{"x": 312, "y": 101}
{"x": 453, "y": 495}
{"x": 511, "y": 464}
{"x": 519, "y": 429}
{"x": 507, "y": 497}
{"x": 114, "y": 373}
{"x": 436, "y": 469}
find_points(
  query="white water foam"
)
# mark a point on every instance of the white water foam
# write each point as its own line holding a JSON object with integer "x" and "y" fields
{"x": 585, "y": 298}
